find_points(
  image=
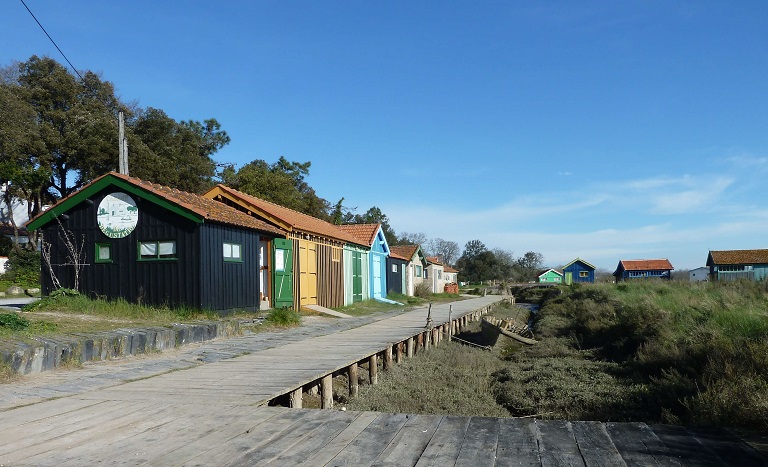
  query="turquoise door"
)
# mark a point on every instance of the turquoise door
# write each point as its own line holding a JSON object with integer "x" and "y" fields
{"x": 282, "y": 258}
{"x": 376, "y": 267}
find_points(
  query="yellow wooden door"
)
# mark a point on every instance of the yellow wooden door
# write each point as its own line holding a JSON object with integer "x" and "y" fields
{"x": 308, "y": 272}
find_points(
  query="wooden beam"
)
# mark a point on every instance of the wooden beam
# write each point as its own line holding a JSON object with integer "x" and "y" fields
{"x": 409, "y": 347}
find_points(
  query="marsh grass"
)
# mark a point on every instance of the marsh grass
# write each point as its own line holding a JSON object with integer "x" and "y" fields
{"x": 679, "y": 352}
{"x": 446, "y": 379}
{"x": 653, "y": 351}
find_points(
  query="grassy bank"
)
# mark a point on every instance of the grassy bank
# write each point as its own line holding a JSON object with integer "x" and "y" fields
{"x": 66, "y": 314}
{"x": 672, "y": 352}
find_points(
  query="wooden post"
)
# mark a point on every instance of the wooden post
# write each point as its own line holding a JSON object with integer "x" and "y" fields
{"x": 373, "y": 370}
{"x": 419, "y": 342}
{"x": 353, "y": 383}
{"x": 427, "y": 339}
{"x": 409, "y": 347}
{"x": 296, "y": 395}
{"x": 388, "y": 358}
{"x": 399, "y": 353}
{"x": 436, "y": 336}
{"x": 326, "y": 390}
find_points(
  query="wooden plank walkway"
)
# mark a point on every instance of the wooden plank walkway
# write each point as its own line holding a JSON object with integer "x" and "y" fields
{"x": 72, "y": 431}
{"x": 215, "y": 414}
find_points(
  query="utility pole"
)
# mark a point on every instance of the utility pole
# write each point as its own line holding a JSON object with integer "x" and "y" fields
{"x": 122, "y": 144}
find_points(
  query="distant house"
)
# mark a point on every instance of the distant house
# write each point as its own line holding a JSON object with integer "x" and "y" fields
{"x": 451, "y": 275}
{"x": 373, "y": 236}
{"x": 699, "y": 274}
{"x": 729, "y": 265}
{"x": 415, "y": 267}
{"x": 435, "y": 274}
{"x": 550, "y": 276}
{"x": 578, "y": 270}
{"x": 643, "y": 269}
{"x": 151, "y": 244}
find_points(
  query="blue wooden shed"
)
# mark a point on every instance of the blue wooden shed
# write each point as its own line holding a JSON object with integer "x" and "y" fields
{"x": 373, "y": 235}
{"x": 578, "y": 270}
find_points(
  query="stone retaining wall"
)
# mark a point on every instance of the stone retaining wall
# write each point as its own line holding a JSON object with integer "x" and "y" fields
{"x": 53, "y": 352}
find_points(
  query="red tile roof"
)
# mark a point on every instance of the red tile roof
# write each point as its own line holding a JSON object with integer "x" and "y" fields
{"x": 294, "y": 220}
{"x": 646, "y": 264}
{"x": 434, "y": 260}
{"x": 740, "y": 256}
{"x": 205, "y": 208}
{"x": 450, "y": 269}
{"x": 365, "y": 233}
{"x": 405, "y": 252}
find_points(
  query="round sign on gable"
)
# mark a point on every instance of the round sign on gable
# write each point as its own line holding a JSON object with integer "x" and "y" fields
{"x": 117, "y": 215}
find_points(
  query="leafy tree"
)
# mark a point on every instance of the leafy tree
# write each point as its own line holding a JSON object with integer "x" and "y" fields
{"x": 24, "y": 172}
{"x": 282, "y": 183}
{"x": 175, "y": 154}
{"x": 375, "y": 216}
{"x": 63, "y": 130}
{"x": 527, "y": 266}
{"x": 476, "y": 263}
{"x": 473, "y": 248}
{"x": 76, "y": 121}
{"x": 505, "y": 264}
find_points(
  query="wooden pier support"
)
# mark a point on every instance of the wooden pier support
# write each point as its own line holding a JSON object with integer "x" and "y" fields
{"x": 409, "y": 347}
{"x": 388, "y": 358}
{"x": 427, "y": 337}
{"x": 353, "y": 382}
{"x": 399, "y": 353}
{"x": 373, "y": 369}
{"x": 326, "y": 391}
{"x": 296, "y": 398}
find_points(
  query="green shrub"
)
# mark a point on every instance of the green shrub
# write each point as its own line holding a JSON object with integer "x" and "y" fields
{"x": 23, "y": 267}
{"x": 6, "y": 245}
{"x": 13, "y": 321}
{"x": 283, "y": 317}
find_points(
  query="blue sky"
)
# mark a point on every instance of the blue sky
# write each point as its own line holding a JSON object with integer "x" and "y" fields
{"x": 603, "y": 130}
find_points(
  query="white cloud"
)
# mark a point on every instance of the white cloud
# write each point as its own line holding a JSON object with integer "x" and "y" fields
{"x": 602, "y": 226}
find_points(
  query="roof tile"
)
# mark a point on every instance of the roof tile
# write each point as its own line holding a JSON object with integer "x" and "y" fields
{"x": 297, "y": 220}
{"x": 646, "y": 264}
{"x": 364, "y": 233}
{"x": 405, "y": 252}
{"x": 740, "y": 256}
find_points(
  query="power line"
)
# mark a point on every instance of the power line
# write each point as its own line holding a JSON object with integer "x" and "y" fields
{"x": 52, "y": 41}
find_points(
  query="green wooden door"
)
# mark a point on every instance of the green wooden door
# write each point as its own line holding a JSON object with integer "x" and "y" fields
{"x": 282, "y": 279}
{"x": 568, "y": 278}
{"x": 357, "y": 276}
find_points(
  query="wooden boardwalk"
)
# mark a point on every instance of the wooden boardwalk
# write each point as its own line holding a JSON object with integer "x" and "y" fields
{"x": 215, "y": 414}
